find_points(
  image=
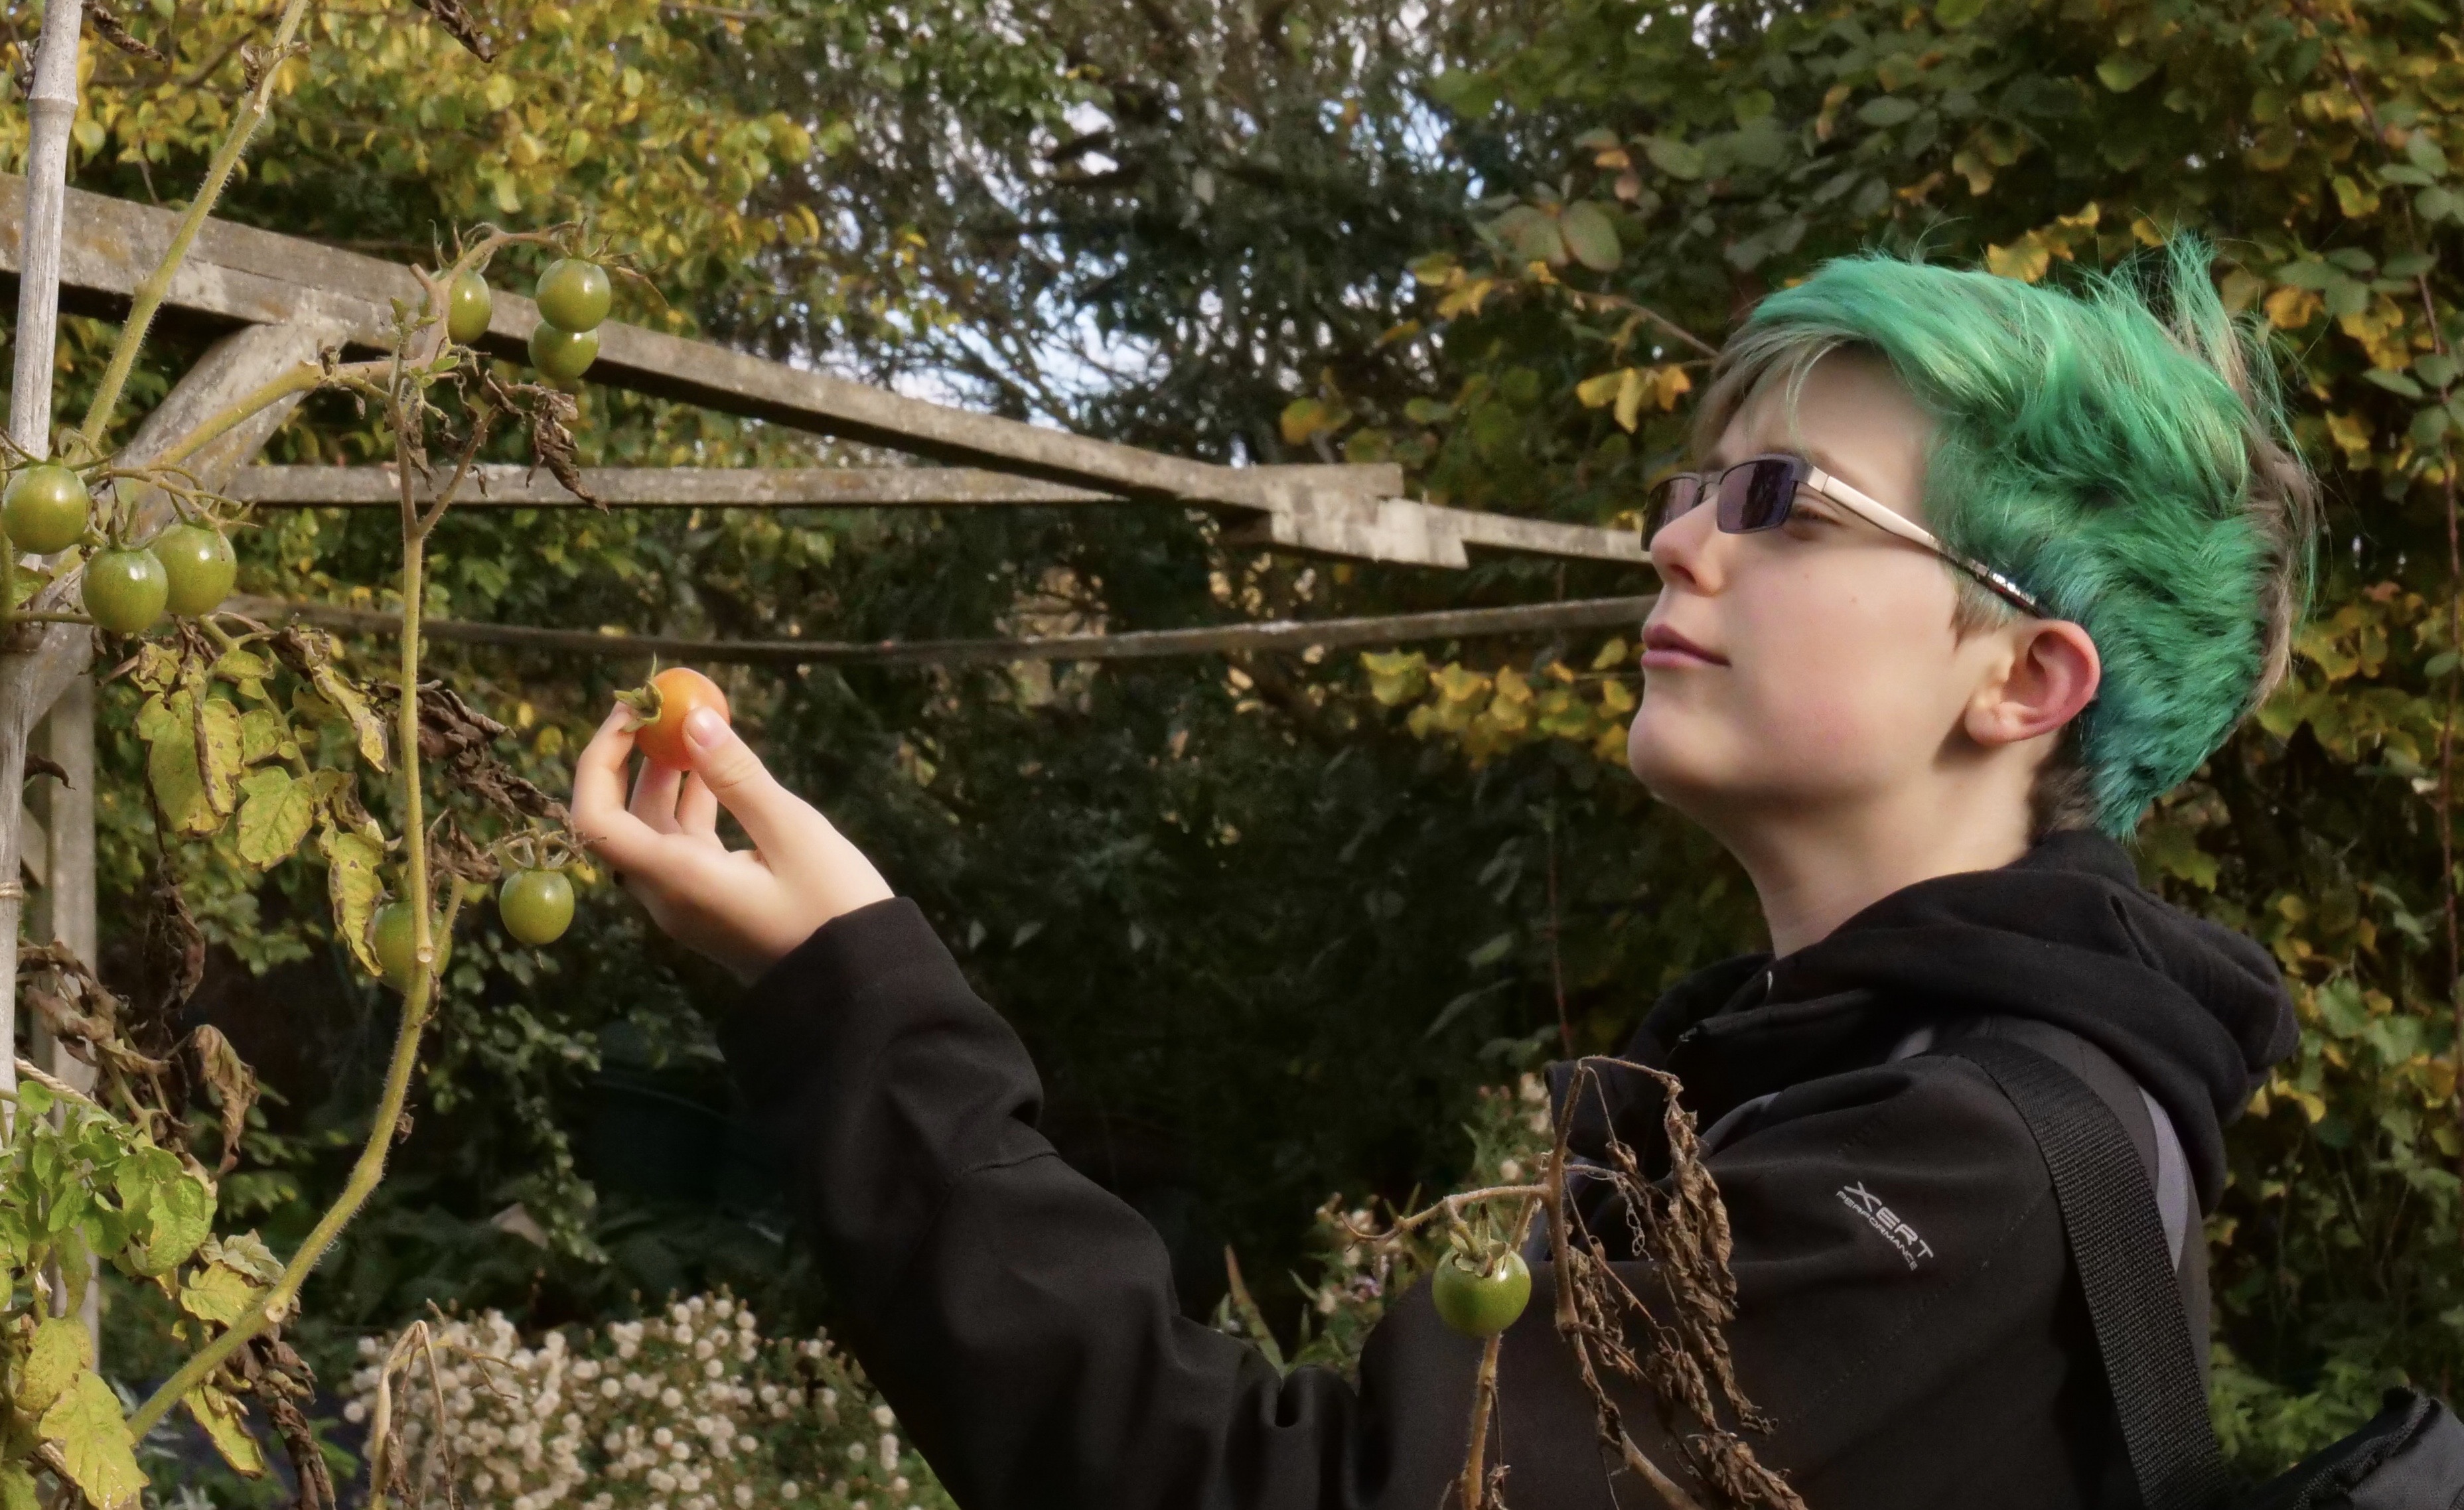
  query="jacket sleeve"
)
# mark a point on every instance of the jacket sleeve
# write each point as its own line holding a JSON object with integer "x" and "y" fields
{"x": 1020, "y": 1320}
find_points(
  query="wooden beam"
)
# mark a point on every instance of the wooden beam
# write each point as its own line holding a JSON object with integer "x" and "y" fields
{"x": 238, "y": 273}
{"x": 1588, "y": 613}
{"x": 671, "y": 488}
{"x": 1375, "y": 529}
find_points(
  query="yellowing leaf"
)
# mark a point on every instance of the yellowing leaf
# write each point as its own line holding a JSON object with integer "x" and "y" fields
{"x": 1598, "y": 392}
{"x": 2027, "y": 260}
{"x": 353, "y": 886}
{"x": 1631, "y": 385}
{"x": 227, "y": 1428}
{"x": 275, "y": 815}
{"x": 218, "y": 754}
{"x": 2291, "y": 309}
{"x": 86, "y": 1426}
{"x": 244, "y": 1252}
{"x": 1613, "y": 653}
{"x": 219, "y": 1293}
{"x": 62, "y": 1351}
{"x": 171, "y": 768}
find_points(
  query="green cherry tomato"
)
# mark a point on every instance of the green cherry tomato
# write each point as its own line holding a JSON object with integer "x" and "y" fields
{"x": 1480, "y": 1305}
{"x": 392, "y": 934}
{"x": 535, "y": 905}
{"x": 125, "y": 591}
{"x": 573, "y": 294}
{"x": 469, "y": 306}
{"x": 45, "y": 509}
{"x": 201, "y": 566}
{"x": 561, "y": 353}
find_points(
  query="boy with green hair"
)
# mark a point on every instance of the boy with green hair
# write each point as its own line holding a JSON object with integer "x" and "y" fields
{"x": 1969, "y": 573}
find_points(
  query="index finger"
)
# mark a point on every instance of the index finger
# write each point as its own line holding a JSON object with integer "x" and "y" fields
{"x": 599, "y": 814}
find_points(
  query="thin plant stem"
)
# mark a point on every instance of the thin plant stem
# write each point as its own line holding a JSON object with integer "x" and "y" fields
{"x": 156, "y": 286}
{"x": 1470, "y": 1489}
{"x": 418, "y": 1001}
{"x": 2447, "y": 780}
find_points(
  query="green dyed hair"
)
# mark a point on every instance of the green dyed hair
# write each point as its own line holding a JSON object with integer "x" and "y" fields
{"x": 2119, "y": 449}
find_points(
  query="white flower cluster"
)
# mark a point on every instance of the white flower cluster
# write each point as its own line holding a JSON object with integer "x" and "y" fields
{"x": 689, "y": 1410}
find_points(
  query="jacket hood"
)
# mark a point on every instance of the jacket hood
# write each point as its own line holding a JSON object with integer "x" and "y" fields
{"x": 2065, "y": 936}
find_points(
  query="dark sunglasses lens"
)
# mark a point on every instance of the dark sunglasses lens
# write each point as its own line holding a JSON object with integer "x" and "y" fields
{"x": 1670, "y": 502}
{"x": 1757, "y": 495}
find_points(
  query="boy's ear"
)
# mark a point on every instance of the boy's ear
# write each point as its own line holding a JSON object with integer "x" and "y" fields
{"x": 2052, "y": 674}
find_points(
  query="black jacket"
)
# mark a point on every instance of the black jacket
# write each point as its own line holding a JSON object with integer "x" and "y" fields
{"x": 1023, "y": 1322}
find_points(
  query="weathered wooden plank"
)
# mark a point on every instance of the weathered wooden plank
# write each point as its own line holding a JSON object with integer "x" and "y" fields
{"x": 240, "y": 273}
{"x": 1588, "y": 613}
{"x": 671, "y": 487}
{"x": 1384, "y": 529}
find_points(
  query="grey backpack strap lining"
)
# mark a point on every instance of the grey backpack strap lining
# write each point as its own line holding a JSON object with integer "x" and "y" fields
{"x": 2140, "y": 1115}
{"x": 2117, "y": 1250}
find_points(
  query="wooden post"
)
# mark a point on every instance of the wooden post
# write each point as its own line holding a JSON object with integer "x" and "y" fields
{"x": 51, "y": 109}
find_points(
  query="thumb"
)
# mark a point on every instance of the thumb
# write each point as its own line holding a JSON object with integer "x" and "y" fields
{"x": 737, "y": 776}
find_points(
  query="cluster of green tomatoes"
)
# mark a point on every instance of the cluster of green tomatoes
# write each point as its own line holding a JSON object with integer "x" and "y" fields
{"x": 187, "y": 569}
{"x": 535, "y": 903}
{"x": 573, "y": 296}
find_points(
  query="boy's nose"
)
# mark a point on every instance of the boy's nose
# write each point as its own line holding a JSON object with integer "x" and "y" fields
{"x": 1690, "y": 552}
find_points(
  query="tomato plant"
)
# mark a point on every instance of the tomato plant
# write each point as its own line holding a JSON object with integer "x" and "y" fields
{"x": 198, "y": 562}
{"x": 260, "y": 743}
{"x": 46, "y": 508}
{"x": 663, "y": 707}
{"x": 536, "y": 905}
{"x": 574, "y": 294}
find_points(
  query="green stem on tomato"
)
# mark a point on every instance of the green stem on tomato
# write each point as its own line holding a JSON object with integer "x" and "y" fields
{"x": 156, "y": 286}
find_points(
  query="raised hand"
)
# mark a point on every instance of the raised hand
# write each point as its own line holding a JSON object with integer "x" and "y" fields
{"x": 742, "y": 908}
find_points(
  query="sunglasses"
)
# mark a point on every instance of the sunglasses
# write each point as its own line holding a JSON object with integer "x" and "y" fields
{"x": 1760, "y": 493}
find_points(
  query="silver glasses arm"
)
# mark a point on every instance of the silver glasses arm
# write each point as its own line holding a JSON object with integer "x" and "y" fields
{"x": 1893, "y": 522}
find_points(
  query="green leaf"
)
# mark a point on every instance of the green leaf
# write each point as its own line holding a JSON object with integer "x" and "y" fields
{"x": 219, "y": 1293}
{"x": 1886, "y": 110}
{"x": 1952, "y": 15}
{"x": 227, "y": 1428}
{"x": 179, "y": 1218}
{"x": 62, "y": 1351}
{"x": 2438, "y": 369}
{"x": 2393, "y": 382}
{"x": 92, "y": 1436}
{"x": 354, "y": 886}
{"x": 275, "y": 815}
{"x": 1674, "y": 157}
{"x": 1532, "y": 236}
{"x": 1589, "y": 235}
{"x": 17, "y": 1488}
{"x": 2422, "y": 149}
{"x": 2122, "y": 73}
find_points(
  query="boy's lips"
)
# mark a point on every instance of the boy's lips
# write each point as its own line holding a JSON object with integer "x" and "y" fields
{"x": 1663, "y": 646}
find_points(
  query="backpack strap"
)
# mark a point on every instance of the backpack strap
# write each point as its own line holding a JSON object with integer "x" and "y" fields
{"x": 2118, "y": 1246}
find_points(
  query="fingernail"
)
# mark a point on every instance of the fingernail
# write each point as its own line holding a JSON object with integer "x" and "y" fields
{"x": 705, "y": 728}
{"x": 620, "y": 710}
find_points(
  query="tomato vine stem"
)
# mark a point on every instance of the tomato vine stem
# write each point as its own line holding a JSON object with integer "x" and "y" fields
{"x": 156, "y": 286}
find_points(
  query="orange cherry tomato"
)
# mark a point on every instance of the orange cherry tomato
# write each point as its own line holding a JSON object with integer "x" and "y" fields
{"x": 680, "y": 690}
